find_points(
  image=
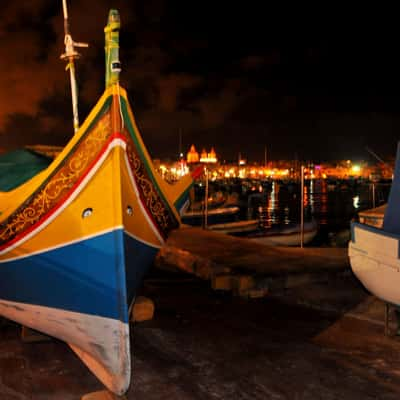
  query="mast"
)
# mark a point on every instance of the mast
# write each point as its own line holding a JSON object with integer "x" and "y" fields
{"x": 265, "y": 157}
{"x": 180, "y": 144}
{"x": 70, "y": 56}
{"x": 113, "y": 66}
{"x": 111, "y": 33}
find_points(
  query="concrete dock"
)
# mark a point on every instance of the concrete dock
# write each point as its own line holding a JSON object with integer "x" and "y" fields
{"x": 320, "y": 341}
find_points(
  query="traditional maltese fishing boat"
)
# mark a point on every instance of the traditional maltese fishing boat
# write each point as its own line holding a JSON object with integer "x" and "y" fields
{"x": 77, "y": 238}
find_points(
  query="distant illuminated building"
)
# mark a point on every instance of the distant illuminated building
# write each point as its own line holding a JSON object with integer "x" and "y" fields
{"x": 192, "y": 156}
{"x": 210, "y": 157}
{"x": 241, "y": 161}
{"x": 203, "y": 155}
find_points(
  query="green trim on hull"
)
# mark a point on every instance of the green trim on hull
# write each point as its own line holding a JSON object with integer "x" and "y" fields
{"x": 133, "y": 133}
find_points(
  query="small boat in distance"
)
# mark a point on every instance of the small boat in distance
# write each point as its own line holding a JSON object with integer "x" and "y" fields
{"x": 284, "y": 235}
{"x": 235, "y": 227}
{"x": 220, "y": 215}
{"x": 77, "y": 238}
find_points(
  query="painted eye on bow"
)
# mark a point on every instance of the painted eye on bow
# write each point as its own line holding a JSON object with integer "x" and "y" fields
{"x": 129, "y": 210}
{"x": 87, "y": 212}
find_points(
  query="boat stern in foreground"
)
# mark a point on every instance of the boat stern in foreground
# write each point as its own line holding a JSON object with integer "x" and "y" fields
{"x": 374, "y": 258}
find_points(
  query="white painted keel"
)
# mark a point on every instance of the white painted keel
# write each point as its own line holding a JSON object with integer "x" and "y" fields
{"x": 102, "y": 343}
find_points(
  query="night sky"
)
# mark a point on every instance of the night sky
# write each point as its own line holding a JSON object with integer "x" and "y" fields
{"x": 317, "y": 84}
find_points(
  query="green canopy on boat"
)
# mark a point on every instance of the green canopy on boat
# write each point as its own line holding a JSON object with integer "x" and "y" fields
{"x": 18, "y": 166}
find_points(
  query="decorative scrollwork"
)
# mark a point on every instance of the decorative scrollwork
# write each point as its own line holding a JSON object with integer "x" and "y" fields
{"x": 157, "y": 207}
{"x": 59, "y": 184}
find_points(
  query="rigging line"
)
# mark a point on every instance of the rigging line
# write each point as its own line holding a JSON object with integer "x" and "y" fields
{"x": 120, "y": 108}
{"x": 377, "y": 157}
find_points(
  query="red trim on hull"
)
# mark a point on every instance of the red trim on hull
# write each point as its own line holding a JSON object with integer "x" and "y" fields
{"x": 68, "y": 195}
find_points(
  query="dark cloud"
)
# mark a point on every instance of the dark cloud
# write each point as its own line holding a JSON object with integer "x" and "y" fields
{"x": 297, "y": 82}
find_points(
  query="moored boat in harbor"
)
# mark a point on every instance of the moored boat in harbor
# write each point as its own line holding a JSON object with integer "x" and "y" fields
{"x": 236, "y": 227}
{"x": 220, "y": 215}
{"x": 374, "y": 251}
{"x": 285, "y": 235}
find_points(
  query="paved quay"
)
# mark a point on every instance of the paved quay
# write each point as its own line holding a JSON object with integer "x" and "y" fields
{"x": 314, "y": 339}
{"x": 318, "y": 341}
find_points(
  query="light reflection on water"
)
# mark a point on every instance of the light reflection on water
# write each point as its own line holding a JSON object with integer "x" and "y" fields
{"x": 331, "y": 204}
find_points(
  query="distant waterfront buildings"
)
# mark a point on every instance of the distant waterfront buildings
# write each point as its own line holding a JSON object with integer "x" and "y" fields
{"x": 282, "y": 169}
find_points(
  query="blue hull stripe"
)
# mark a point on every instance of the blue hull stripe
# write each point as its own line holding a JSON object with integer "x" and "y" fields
{"x": 139, "y": 258}
{"x": 87, "y": 277}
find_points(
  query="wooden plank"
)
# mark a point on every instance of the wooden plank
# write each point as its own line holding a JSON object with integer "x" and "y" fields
{"x": 213, "y": 252}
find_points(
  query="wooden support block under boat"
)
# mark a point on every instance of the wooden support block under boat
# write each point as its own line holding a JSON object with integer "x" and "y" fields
{"x": 29, "y": 335}
{"x": 142, "y": 310}
{"x": 222, "y": 282}
{"x": 241, "y": 285}
{"x": 174, "y": 259}
{"x": 102, "y": 395}
{"x": 257, "y": 293}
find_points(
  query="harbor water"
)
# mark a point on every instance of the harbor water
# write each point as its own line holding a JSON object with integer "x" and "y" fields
{"x": 332, "y": 204}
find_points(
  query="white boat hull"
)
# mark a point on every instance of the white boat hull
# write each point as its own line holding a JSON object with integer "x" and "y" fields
{"x": 235, "y": 227}
{"x": 286, "y": 239}
{"x": 374, "y": 259}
